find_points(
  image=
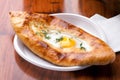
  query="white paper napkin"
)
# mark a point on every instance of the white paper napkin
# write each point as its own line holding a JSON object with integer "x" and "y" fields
{"x": 111, "y": 27}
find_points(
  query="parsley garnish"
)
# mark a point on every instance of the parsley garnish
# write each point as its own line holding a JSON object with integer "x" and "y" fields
{"x": 59, "y": 39}
{"x": 47, "y": 37}
{"x": 38, "y": 33}
{"x": 81, "y": 46}
{"x": 45, "y": 34}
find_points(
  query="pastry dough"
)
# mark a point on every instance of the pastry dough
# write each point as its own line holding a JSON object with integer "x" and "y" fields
{"x": 60, "y": 42}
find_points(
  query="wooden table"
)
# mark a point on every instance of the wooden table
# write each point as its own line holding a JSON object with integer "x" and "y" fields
{"x": 14, "y": 67}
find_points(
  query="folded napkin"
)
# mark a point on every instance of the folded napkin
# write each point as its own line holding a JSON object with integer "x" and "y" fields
{"x": 111, "y": 27}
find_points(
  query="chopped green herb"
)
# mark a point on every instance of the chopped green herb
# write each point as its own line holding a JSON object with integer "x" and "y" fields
{"x": 47, "y": 37}
{"x": 59, "y": 39}
{"x": 38, "y": 33}
{"x": 45, "y": 34}
{"x": 81, "y": 46}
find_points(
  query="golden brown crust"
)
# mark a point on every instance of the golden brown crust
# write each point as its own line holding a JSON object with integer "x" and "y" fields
{"x": 100, "y": 54}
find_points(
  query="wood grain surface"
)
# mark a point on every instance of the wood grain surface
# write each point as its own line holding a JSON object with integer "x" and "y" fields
{"x": 14, "y": 67}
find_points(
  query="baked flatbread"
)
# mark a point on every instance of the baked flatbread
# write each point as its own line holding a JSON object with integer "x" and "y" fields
{"x": 59, "y": 42}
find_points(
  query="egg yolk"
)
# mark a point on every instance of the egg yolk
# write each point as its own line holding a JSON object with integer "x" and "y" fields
{"x": 67, "y": 42}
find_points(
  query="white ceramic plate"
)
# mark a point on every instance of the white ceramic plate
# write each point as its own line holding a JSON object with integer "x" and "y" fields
{"x": 74, "y": 19}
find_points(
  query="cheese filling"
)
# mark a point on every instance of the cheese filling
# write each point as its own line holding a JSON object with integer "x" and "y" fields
{"x": 61, "y": 39}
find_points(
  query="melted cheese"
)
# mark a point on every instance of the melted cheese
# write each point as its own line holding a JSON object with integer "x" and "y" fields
{"x": 68, "y": 40}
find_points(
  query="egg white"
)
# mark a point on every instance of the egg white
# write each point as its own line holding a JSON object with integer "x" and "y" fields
{"x": 54, "y": 34}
